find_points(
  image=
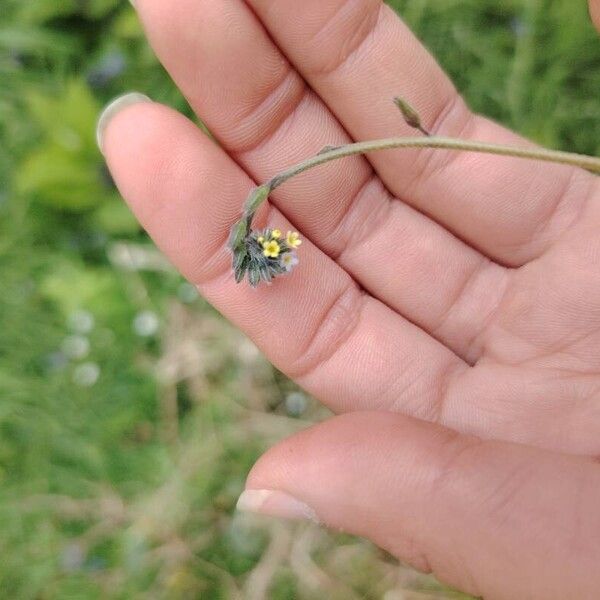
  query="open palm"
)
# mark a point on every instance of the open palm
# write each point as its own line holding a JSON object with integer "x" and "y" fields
{"x": 447, "y": 303}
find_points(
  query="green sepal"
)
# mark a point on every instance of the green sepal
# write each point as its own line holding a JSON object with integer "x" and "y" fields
{"x": 239, "y": 257}
{"x": 254, "y": 277}
{"x": 255, "y": 199}
{"x": 240, "y": 272}
{"x": 265, "y": 273}
{"x": 237, "y": 235}
{"x": 411, "y": 116}
{"x": 241, "y": 260}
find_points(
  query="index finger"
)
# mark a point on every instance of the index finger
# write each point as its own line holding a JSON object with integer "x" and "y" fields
{"x": 348, "y": 349}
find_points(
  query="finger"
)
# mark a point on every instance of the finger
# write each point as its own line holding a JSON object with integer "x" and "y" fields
{"x": 317, "y": 326}
{"x": 348, "y": 350}
{"x": 267, "y": 118}
{"x": 494, "y": 519}
{"x": 595, "y": 12}
{"x": 358, "y": 55}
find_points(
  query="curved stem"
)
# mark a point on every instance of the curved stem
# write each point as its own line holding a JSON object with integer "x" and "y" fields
{"x": 241, "y": 232}
{"x": 589, "y": 163}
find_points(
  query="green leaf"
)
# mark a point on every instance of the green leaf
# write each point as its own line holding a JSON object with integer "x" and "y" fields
{"x": 114, "y": 217}
{"x": 40, "y": 11}
{"x": 70, "y": 120}
{"x": 59, "y": 179}
{"x": 97, "y": 9}
{"x": 237, "y": 235}
{"x": 72, "y": 286}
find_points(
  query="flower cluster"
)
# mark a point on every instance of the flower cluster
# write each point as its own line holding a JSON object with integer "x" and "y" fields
{"x": 265, "y": 254}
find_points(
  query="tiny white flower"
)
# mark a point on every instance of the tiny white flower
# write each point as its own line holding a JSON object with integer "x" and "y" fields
{"x": 81, "y": 321}
{"x": 76, "y": 347}
{"x": 57, "y": 361}
{"x": 289, "y": 260}
{"x": 296, "y": 404}
{"x": 73, "y": 557}
{"x": 187, "y": 293}
{"x": 87, "y": 374}
{"x": 146, "y": 323}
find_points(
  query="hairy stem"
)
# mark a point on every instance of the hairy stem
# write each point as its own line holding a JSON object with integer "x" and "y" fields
{"x": 241, "y": 233}
{"x": 589, "y": 163}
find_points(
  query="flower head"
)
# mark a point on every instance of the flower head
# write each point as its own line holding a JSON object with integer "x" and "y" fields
{"x": 293, "y": 239}
{"x": 261, "y": 256}
{"x": 271, "y": 249}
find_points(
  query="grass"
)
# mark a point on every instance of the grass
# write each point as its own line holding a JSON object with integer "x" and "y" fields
{"x": 130, "y": 412}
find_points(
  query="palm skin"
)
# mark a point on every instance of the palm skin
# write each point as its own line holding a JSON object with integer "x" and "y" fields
{"x": 447, "y": 306}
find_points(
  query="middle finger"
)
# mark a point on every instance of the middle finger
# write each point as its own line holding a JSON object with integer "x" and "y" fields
{"x": 267, "y": 118}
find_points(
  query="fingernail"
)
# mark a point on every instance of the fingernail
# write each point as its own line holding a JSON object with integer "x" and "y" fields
{"x": 275, "y": 504}
{"x": 115, "y": 107}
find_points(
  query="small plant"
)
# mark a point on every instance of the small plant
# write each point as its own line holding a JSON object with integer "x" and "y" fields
{"x": 263, "y": 255}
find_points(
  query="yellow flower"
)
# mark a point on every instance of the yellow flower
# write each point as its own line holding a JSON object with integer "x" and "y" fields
{"x": 293, "y": 239}
{"x": 261, "y": 239}
{"x": 276, "y": 234}
{"x": 271, "y": 249}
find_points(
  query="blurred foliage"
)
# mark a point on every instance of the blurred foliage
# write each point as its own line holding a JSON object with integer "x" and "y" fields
{"x": 130, "y": 412}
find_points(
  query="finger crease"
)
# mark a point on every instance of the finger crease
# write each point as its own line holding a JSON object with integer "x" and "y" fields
{"x": 353, "y": 39}
{"x": 446, "y": 380}
{"x": 471, "y": 287}
{"x": 424, "y": 166}
{"x": 257, "y": 126}
{"x": 567, "y": 199}
{"x": 362, "y": 219}
{"x": 333, "y": 330}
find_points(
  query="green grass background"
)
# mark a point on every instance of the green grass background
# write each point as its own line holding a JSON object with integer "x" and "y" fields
{"x": 130, "y": 412}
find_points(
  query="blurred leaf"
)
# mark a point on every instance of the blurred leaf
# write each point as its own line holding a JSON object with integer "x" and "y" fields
{"x": 64, "y": 171}
{"x": 72, "y": 287}
{"x": 115, "y": 217}
{"x": 39, "y": 11}
{"x": 35, "y": 40}
{"x": 96, "y": 9}
{"x": 57, "y": 178}
{"x": 68, "y": 120}
{"x": 127, "y": 25}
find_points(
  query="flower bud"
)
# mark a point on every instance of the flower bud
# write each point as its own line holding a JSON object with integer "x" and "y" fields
{"x": 255, "y": 199}
{"x": 411, "y": 116}
{"x": 237, "y": 235}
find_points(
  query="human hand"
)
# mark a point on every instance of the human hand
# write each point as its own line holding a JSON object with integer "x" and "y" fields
{"x": 456, "y": 329}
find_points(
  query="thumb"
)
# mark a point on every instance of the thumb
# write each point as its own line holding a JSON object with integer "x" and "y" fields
{"x": 494, "y": 519}
{"x": 595, "y": 12}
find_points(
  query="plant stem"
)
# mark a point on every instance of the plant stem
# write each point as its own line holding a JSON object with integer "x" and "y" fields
{"x": 566, "y": 158}
{"x": 241, "y": 232}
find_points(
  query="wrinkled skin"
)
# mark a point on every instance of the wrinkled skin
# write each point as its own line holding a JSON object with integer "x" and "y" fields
{"x": 447, "y": 306}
